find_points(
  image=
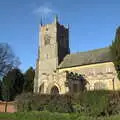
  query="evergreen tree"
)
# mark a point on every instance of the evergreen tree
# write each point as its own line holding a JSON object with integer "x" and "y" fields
{"x": 115, "y": 50}
{"x": 29, "y": 80}
{"x": 12, "y": 84}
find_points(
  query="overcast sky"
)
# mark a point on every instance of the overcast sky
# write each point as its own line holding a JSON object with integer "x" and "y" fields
{"x": 92, "y": 24}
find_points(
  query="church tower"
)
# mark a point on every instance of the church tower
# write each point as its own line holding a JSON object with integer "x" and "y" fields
{"x": 53, "y": 47}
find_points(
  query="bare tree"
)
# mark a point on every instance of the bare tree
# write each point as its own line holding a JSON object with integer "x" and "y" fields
{"x": 8, "y": 60}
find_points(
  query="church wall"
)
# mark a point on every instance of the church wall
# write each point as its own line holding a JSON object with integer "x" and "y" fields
{"x": 99, "y": 76}
{"x": 92, "y": 68}
{"x": 53, "y": 79}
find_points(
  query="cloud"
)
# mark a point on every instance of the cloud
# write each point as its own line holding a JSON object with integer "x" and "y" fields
{"x": 44, "y": 11}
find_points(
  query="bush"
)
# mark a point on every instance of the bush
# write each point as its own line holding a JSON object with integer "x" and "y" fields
{"x": 91, "y": 103}
{"x": 60, "y": 104}
{"x": 114, "y": 103}
{"x": 28, "y": 102}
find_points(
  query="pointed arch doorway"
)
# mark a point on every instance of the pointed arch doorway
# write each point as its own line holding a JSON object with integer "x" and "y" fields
{"x": 54, "y": 90}
{"x": 41, "y": 88}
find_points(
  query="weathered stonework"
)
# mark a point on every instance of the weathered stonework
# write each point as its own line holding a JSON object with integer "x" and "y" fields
{"x": 54, "y": 79}
{"x": 53, "y": 48}
{"x": 55, "y": 65}
{"x": 98, "y": 73}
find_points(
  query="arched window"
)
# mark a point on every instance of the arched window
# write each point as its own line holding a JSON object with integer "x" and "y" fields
{"x": 47, "y": 39}
{"x": 99, "y": 86}
{"x": 75, "y": 87}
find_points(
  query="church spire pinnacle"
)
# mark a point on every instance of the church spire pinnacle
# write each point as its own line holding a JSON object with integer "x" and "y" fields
{"x": 68, "y": 26}
{"x": 41, "y": 22}
{"x": 56, "y": 19}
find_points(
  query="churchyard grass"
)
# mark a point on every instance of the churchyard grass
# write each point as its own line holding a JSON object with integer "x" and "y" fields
{"x": 35, "y": 115}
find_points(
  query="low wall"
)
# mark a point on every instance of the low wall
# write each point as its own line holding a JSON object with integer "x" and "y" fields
{"x": 11, "y": 107}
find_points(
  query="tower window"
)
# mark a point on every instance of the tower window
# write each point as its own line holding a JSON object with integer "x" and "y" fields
{"x": 47, "y": 39}
{"x": 46, "y": 29}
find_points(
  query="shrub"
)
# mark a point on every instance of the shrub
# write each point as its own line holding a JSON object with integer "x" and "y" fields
{"x": 28, "y": 102}
{"x": 91, "y": 103}
{"x": 114, "y": 103}
{"x": 60, "y": 104}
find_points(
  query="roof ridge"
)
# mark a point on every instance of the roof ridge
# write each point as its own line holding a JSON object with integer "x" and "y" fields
{"x": 89, "y": 50}
{"x": 88, "y": 57}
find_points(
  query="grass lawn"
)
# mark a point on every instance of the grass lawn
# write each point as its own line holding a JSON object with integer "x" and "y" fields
{"x": 50, "y": 116}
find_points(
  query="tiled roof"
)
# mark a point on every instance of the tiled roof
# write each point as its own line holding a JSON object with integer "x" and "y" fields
{"x": 86, "y": 58}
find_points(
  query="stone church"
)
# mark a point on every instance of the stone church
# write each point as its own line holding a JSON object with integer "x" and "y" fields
{"x": 59, "y": 72}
